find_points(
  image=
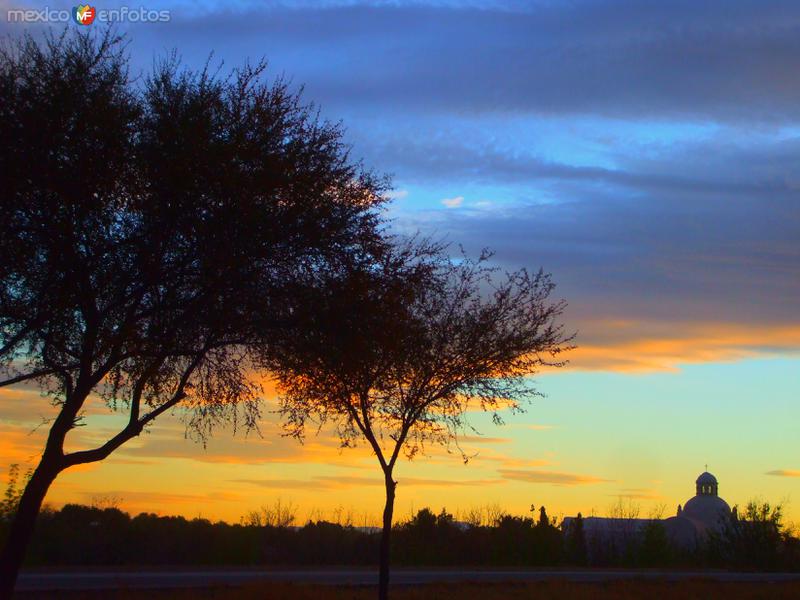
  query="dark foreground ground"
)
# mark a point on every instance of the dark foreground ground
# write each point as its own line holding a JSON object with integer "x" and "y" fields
{"x": 408, "y": 584}
{"x": 543, "y": 590}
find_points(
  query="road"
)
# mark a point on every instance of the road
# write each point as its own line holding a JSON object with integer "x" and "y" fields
{"x": 98, "y": 580}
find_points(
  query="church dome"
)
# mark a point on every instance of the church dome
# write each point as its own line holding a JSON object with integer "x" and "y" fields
{"x": 708, "y": 510}
{"x": 706, "y": 478}
{"x": 707, "y": 484}
{"x": 707, "y": 507}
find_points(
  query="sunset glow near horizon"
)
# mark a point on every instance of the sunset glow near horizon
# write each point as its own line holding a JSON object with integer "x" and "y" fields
{"x": 626, "y": 151}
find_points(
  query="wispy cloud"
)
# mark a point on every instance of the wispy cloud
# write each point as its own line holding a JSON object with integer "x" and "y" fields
{"x": 484, "y": 439}
{"x": 650, "y": 346}
{"x": 285, "y": 484}
{"x": 329, "y": 482}
{"x": 607, "y": 58}
{"x": 532, "y": 426}
{"x": 134, "y": 499}
{"x": 421, "y": 482}
{"x": 552, "y": 477}
{"x": 396, "y": 194}
{"x": 453, "y": 202}
{"x": 784, "y": 473}
{"x": 638, "y": 494}
{"x": 168, "y": 441}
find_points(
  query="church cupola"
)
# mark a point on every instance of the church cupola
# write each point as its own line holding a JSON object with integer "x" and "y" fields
{"x": 707, "y": 485}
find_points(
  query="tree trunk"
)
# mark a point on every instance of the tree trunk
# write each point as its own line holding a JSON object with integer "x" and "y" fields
{"x": 386, "y": 535}
{"x": 22, "y": 525}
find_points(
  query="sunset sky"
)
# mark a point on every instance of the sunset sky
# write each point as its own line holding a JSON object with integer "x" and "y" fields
{"x": 645, "y": 154}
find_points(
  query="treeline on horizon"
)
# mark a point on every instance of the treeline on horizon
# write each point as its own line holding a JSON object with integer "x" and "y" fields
{"x": 107, "y": 536}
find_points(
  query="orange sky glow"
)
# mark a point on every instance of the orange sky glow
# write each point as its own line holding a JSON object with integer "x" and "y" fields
{"x": 552, "y": 454}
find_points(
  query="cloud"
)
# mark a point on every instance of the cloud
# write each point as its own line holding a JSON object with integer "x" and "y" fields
{"x": 483, "y": 439}
{"x": 226, "y": 449}
{"x": 126, "y": 461}
{"x": 532, "y": 426}
{"x": 326, "y": 482}
{"x": 509, "y": 461}
{"x": 23, "y": 405}
{"x": 638, "y": 494}
{"x": 421, "y": 482}
{"x": 167, "y": 439}
{"x": 134, "y": 500}
{"x": 285, "y": 484}
{"x": 719, "y": 60}
{"x": 664, "y": 189}
{"x": 396, "y": 194}
{"x": 784, "y": 473}
{"x": 489, "y": 455}
{"x": 552, "y": 477}
{"x": 647, "y": 347}
{"x": 687, "y": 255}
{"x": 453, "y": 202}
{"x": 20, "y": 444}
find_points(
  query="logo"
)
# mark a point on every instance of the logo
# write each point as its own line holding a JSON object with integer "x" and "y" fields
{"x": 84, "y": 14}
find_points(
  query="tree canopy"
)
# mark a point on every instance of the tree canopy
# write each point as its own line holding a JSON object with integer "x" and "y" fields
{"x": 395, "y": 352}
{"x": 152, "y": 231}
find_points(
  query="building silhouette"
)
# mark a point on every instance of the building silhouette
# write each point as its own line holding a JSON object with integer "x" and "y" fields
{"x": 702, "y": 514}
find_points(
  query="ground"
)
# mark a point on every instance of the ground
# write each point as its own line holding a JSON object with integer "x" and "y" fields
{"x": 552, "y": 590}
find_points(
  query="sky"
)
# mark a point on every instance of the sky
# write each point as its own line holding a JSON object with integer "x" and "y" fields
{"x": 646, "y": 154}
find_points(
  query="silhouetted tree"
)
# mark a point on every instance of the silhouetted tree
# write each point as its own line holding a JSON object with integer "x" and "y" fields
{"x": 544, "y": 520}
{"x": 146, "y": 228}
{"x": 400, "y": 349}
{"x": 750, "y": 539}
{"x": 11, "y": 497}
{"x": 429, "y": 539}
{"x": 655, "y": 548}
{"x": 576, "y": 542}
